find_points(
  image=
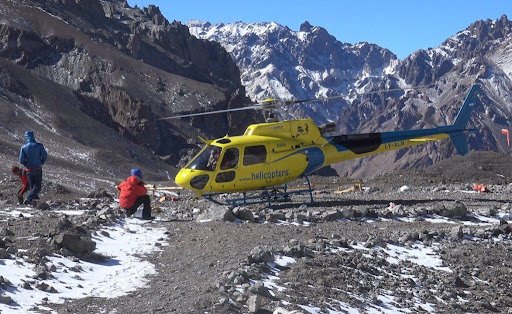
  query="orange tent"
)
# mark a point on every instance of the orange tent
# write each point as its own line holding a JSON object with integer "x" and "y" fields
{"x": 482, "y": 188}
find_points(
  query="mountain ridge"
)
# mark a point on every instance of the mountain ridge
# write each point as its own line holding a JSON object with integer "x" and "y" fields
{"x": 443, "y": 75}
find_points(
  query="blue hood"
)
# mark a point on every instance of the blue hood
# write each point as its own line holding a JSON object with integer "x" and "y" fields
{"x": 29, "y": 137}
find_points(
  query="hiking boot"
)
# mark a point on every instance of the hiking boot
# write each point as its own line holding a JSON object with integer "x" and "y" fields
{"x": 28, "y": 203}
{"x": 148, "y": 218}
{"x": 20, "y": 200}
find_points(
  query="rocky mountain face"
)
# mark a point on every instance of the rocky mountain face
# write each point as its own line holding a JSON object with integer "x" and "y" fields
{"x": 424, "y": 90}
{"x": 278, "y": 62}
{"x": 93, "y": 78}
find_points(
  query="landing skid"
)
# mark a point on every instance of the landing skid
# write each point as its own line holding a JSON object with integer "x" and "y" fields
{"x": 269, "y": 195}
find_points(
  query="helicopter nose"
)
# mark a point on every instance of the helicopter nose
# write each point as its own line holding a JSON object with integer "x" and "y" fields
{"x": 192, "y": 179}
{"x": 182, "y": 179}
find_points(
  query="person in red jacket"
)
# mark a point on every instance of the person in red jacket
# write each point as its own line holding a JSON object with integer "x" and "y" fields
{"x": 17, "y": 171}
{"x": 133, "y": 193}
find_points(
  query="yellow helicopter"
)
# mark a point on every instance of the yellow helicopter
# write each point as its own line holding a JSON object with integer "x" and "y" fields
{"x": 270, "y": 155}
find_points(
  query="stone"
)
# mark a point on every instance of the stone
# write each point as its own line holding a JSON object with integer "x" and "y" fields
{"x": 4, "y": 299}
{"x": 104, "y": 213}
{"x": 42, "y": 286}
{"x": 457, "y": 210}
{"x": 260, "y": 254}
{"x": 41, "y": 273}
{"x": 456, "y": 233}
{"x": 26, "y": 285}
{"x": 259, "y": 289}
{"x": 254, "y": 303}
{"x": 217, "y": 213}
{"x": 4, "y": 282}
{"x": 74, "y": 243}
{"x": 245, "y": 214}
{"x": 43, "y": 206}
{"x": 459, "y": 283}
{"x": 331, "y": 215}
{"x": 4, "y": 254}
{"x": 275, "y": 217}
{"x": 347, "y": 212}
{"x": 64, "y": 224}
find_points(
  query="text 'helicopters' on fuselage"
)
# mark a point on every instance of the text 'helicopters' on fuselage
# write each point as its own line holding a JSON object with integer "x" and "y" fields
{"x": 272, "y": 154}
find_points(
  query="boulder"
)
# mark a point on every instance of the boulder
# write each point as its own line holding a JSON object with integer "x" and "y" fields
{"x": 347, "y": 212}
{"x": 64, "y": 224}
{"x": 244, "y": 214}
{"x": 331, "y": 215}
{"x": 254, "y": 303}
{"x": 456, "y": 233}
{"x": 4, "y": 299}
{"x": 275, "y": 217}
{"x": 74, "y": 243}
{"x": 259, "y": 289}
{"x": 217, "y": 213}
{"x": 43, "y": 206}
{"x": 260, "y": 254}
{"x": 456, "y": 210}
{"x": 4, "y": 254}
{"x": 459, "y": 283}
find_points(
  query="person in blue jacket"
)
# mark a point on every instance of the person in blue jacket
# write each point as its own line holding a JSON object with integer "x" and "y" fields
{"x": 33, "y": 156}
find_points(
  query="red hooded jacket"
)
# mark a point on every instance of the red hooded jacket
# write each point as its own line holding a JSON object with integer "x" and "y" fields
{"x": 24, "y": 182}
{"x": 129, "y": 190}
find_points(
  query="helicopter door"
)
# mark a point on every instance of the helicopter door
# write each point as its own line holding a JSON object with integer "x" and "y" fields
{"x": 229, "y": 162}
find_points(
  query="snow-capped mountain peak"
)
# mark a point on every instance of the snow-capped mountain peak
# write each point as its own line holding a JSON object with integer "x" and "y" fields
{"x": 276, "y": 61}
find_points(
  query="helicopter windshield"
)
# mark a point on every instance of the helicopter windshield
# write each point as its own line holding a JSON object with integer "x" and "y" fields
{"x": 206, "y": 159}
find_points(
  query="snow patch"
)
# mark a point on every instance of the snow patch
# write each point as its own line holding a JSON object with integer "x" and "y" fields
{"x": 122, "y": 272}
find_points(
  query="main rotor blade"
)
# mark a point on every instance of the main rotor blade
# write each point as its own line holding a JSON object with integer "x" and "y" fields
{"x": 211, "y": 112}
{"x": 272, "y": 103}
{"x": 291, "y": 102}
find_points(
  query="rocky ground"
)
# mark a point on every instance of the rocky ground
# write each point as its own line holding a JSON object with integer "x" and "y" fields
{"x": 434, "y": 247}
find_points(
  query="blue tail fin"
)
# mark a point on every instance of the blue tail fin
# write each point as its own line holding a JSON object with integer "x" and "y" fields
{"x": 461, "y": 121}
{"x": 464, "y": 114}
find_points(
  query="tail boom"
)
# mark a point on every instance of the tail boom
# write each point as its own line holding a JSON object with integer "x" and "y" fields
{"x": 362, "y": 145}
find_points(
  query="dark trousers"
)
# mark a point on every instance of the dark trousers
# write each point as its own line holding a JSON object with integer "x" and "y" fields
{"x": 146, "y": 210}
{"x": 35, "y": 178}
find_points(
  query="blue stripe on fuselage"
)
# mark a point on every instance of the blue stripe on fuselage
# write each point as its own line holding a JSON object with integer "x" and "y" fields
{"x": 315, "y": 155}
{"x": 374, "y": 140}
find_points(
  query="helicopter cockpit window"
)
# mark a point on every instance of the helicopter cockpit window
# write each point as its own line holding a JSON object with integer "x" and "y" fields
{"x": 207, "y": 159}
{"x": 230, "y": 159}
{"x": 254, "y": 155}
{"x": 223, "y": 177}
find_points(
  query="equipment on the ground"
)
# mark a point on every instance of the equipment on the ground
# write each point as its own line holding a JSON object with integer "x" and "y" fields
{"x": 270, "y": 155}
{"x": 356, "y": 187}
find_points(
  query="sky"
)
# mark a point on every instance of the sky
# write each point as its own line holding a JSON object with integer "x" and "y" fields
{"x": 402, "y": 26}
